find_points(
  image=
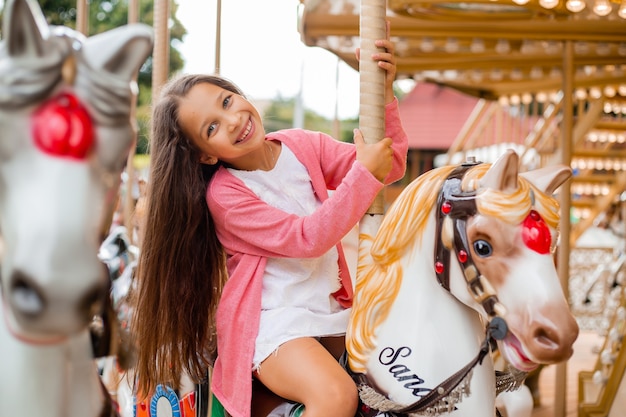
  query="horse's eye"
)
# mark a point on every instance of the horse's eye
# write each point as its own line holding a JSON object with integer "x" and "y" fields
{"x": 482, "y": 248}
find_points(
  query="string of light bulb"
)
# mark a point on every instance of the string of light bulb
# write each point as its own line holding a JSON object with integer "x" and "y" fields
{"x": 599, "y": 7}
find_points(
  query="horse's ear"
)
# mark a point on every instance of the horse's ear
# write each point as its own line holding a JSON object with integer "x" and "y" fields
{"x": 119, "y": 51}
{"x": 548, "y": 179}
{"x": 503, "y": 173}
{"x": 24, "y": 28}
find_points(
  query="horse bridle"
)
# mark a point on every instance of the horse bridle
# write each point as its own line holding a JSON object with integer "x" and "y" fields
{"x": 454, "y": 208}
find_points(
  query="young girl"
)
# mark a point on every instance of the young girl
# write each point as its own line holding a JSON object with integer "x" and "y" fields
{"x": 284, "y": 309}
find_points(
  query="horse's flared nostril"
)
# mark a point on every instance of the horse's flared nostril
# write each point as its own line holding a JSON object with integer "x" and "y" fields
{"x": 546, "y": 338}
{"x": 26, "y": 297}
{"x": 553, "y": 342}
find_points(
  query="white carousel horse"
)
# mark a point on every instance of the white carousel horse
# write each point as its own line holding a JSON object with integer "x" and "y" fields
{"x": 65, "y": 133}
{"x": 462, "y": 258}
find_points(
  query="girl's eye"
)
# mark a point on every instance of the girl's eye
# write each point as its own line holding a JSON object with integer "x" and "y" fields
{"x": 211, "y": 129}
{"x": 227, "y": 101}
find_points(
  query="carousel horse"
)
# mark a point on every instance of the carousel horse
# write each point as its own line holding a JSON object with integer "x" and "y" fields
{"x": 462, "y": 261}
{"x": 65, "y": 134}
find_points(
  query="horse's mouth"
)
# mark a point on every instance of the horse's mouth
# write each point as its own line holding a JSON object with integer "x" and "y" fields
{"x": 513, "y": 352}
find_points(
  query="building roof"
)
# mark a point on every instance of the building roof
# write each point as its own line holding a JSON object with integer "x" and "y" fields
{"x": 433, "y": 115}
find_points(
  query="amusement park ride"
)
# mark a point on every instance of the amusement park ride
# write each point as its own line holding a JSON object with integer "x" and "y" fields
{"x": 467, "y": 249}
{"x": 65, "y": 134}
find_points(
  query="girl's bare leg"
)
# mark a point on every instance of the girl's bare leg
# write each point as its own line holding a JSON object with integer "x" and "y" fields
{"x": 303, "y": 370}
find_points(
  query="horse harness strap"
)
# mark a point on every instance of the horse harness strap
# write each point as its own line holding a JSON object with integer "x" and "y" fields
{"x": 454, "y": 207}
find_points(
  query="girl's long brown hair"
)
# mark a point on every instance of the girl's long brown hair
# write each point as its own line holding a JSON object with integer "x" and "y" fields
{"x": 181, "y": 268}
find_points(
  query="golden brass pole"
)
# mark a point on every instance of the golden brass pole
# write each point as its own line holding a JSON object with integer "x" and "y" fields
{"x": 560, "y": 394}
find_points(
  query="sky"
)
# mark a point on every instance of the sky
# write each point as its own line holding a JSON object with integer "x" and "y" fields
{"x": 262, "y": 53}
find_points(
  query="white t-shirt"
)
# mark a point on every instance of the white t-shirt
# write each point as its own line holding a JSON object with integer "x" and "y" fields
{"x": 297, "y": 299}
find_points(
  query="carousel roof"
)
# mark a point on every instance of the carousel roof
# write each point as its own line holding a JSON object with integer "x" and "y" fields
{"x": 559, "y": 63}
{"x": 433, "y": 115}
{"x": 485, "y": 48}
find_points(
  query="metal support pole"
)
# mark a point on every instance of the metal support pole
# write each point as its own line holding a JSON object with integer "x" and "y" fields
{"x": 218, "y": 37}
{"x": 161, "y": 54}
{"x": 82, "y": 16}
{"x": 560, "y": 393}
{"x": 373, "y": 26}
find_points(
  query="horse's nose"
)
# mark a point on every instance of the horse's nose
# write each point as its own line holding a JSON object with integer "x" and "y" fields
{"x": 552, "y": 342}
{"x": 36, "y": 307}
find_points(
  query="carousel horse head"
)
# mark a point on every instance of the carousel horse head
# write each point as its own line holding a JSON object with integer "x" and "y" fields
{"x": 464, "y": 255}
{"x": 65, "y": 135}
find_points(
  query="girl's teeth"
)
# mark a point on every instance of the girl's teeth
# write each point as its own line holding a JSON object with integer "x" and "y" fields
{"x": 245, "y": 134}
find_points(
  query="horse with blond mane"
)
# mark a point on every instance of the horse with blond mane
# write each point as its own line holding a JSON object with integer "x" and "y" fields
{"x": 462, "y": 259}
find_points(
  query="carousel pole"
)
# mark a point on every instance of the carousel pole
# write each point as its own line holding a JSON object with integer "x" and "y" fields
{"x": 128, "y": 207}
{"x": 82, "y": 17}
{"x": 218, "y": 37}
{"x": 161, "y": 54}
{"x": 373, "y": 26}
{"x": 563, "y": 255}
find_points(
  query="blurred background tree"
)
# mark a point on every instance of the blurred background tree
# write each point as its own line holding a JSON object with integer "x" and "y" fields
{"x": 104, "y": 15}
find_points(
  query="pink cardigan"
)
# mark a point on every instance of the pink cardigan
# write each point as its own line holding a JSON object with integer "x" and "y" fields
{"x": 251, "y": 230}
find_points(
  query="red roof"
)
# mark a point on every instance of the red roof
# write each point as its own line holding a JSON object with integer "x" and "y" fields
{"x": 432, "y": 115}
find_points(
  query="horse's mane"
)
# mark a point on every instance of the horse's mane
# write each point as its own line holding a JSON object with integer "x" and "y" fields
{"x": 379, "y": 274}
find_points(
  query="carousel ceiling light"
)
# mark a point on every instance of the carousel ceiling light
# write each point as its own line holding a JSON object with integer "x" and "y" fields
{"x": 452, "y": 45}
{"x": 476, "y": 75}
{"x": 477, "y": 46}
{"x": 427, "y": 44}
{"x": 496, "y": 74}
{"x": 503, "y": 101}
{"x": 503, "y": 46}
{"x": 575, "y": 6}
{"x": 622, "y": 10}
{"x": 555, "y": 97}
{"x": 541, "y": 97}
{"x": 622, "y": 90}
{"x": 536, "y": 73}
{"x": 595, "y": 92}
{"x": 555, "y": 72}
{"x": 553, "y": 47}
{"x": 603, "y": 48}
{"x": 609, "y": 91}
{"x": 528, "y": 47}
{"x": 602, "y": 7}
{"x": 580, "y": 94}
{"x": 581, "y": 48}
{"x": 549, "y": 4}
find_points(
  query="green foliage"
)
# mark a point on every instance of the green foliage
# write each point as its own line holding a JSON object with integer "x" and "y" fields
{"x": 280, "y": 114}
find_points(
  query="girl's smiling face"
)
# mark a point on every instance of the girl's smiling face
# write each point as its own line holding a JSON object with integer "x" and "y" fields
{"x": 223, "y": 126}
